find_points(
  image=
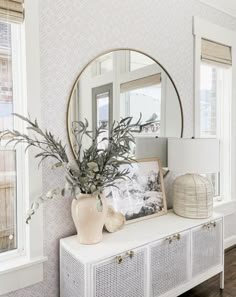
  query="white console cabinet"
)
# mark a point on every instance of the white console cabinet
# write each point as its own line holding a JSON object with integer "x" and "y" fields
{"x": 163, "y": 256}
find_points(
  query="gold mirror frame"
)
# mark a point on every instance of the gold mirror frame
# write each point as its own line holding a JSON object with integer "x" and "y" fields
{"x": 107, "y": 52}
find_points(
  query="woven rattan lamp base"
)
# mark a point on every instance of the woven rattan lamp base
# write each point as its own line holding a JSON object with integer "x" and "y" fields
{"x": 193, "y": 196}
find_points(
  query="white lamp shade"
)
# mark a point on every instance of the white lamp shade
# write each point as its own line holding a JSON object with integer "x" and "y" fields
{"x": 193, "y": 155}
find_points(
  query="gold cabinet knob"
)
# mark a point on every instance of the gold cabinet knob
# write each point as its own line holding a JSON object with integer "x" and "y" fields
{"x": 209, "y": 225}
{"x": 130, "y": 254}
{"x": 177, "y": 236}
{"x": 169, "y": 239}
{"x": 213, "y": 224}
{"x": 119, "y": 259}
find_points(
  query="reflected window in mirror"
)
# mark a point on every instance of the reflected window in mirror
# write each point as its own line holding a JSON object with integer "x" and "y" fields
{"x": 126, "y": 83}
{"x": 103, "y": 111}
{"x": 138, "y": 60}
{"x": 143, "y": 97}
{"x": 103, "y": 116}
{"x": 215, "y": 107}
{"x": 214, "y": 86}
{"x": 102, "y": 98}
{"x": 103, "y": 65}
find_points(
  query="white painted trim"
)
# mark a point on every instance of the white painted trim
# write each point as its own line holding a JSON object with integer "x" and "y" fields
{"x": 20, "y": 274}
{"x": 225, "y": 207}
{"x": 196, "y": 83}
{"x": 18, "y": 263}
{"x": 34, "y": 231}
{"x": 210, "y": 31}
{"x": 19, "y": 104}
{"x": 18, "y": 270}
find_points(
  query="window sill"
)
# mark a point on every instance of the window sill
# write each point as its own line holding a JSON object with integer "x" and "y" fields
{"x": 225, "y": 207}
{"x": 19, "y": 273}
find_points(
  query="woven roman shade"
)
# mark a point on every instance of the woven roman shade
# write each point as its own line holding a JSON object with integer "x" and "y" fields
{"x": 216, "y": 52}
{"x": 141, "y": 83}
{"x": 12, "y": 10}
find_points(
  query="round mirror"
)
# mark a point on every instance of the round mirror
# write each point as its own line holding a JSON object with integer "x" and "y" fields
{"x": 123, "y": 83}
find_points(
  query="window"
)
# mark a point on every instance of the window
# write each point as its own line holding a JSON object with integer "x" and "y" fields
{"x": 102, "y": 111}
{"x": 213, "y": 96}
{"x": 143, "y": 96}
{"x": 215, "y": 99}
{"x": 208, "y": 99}
{"x": 8, "y": 156}
{"x": 21, "y": 246}
{"x": 141, "y": 86}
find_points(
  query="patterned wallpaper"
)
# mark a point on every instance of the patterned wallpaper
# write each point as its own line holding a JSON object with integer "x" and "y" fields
{"x": 72, "y": 32}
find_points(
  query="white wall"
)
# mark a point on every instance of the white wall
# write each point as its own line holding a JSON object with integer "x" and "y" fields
{"x": 72, "y": 32}
{"x": 173, "y": 114}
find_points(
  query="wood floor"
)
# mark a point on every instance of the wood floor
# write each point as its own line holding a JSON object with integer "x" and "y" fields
{"x": 211, "y": 288}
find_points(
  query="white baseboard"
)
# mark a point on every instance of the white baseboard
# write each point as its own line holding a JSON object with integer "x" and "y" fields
{"x": 228, "y": 242}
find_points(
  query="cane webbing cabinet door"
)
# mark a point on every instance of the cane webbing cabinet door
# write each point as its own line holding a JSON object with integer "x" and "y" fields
{"x": 207, "y": 247}
{"x": 169, "y": 263}
{"x": 159, "y": 257}
{"x": 121, "y": 276}
{"x": 72, "y": 276}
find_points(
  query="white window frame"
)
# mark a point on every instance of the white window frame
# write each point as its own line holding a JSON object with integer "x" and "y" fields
{"x": 24, "y": 266}
{"x": 121, "y": 74}
{"x": 207, "y": 30}
{"x": 21, "y": 158}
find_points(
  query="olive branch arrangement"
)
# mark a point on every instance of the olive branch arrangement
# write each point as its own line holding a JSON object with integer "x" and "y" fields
{"x": 93, "y": 168}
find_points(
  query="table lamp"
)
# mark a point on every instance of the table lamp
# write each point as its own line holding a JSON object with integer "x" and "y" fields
{"x": 192, "y": 192}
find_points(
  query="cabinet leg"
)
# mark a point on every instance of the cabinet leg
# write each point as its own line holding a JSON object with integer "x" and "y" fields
{"x": 222, "y": 280}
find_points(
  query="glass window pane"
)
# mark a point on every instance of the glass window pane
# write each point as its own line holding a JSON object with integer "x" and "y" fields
{"x": 214, "y": 178}
{"x": 103, "y": 116}
{"x": 6, "y": 93}
{"x": 103, "y": 110}
{"x": 208, "y": 100}
{"x": 208, "y": 111}
{"x": 138, "y": 60}
{"x": 215, "y": 87}
{"x": 8, "y": 235}
{"x": 146, "y": 101}
{"x": 104, "y": 64}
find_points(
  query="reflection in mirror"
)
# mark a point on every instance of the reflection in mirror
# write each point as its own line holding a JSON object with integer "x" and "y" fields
{"x": 126, "y": 83}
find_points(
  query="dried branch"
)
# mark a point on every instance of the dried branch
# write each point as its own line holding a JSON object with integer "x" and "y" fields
{"x": 93, "y": 168}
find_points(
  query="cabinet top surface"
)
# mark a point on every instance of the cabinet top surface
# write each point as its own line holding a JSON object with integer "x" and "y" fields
{"x": 132, "y": 236}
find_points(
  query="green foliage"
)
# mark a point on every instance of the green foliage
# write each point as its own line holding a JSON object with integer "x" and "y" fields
{"x": 93, "y": 169}
{"x": 48, "y": 145}
{"x": 96, "y": 168}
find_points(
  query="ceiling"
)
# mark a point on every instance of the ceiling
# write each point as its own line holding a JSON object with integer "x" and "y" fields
{"x": 228, "y": 6}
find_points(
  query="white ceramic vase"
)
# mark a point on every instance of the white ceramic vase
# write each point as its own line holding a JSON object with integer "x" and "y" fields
{"x": 88, "y": 220}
